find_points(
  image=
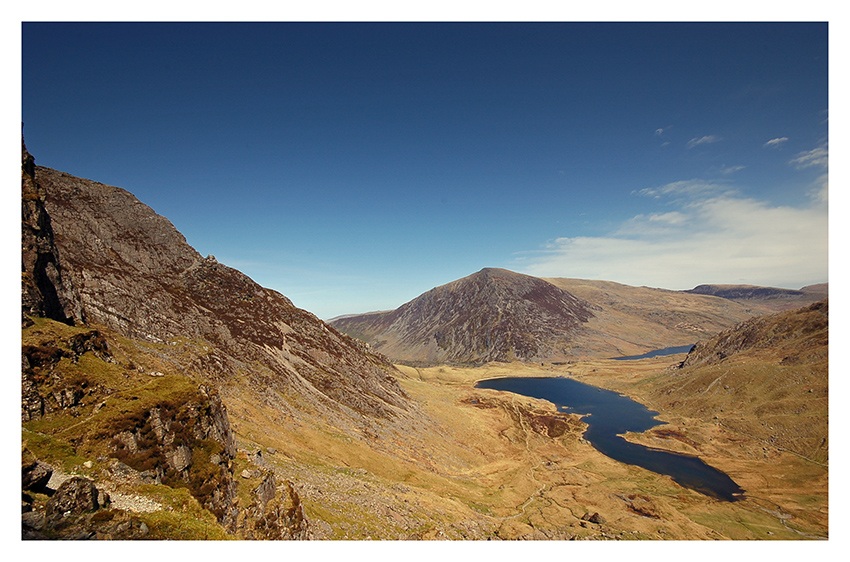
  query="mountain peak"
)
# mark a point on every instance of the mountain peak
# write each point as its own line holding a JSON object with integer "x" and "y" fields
{"x": 491, "y": 315}
{"x": 496, "y": 272}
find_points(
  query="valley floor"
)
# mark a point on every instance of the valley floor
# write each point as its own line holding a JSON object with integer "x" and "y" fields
{"x": 482, "y": 464}
{"x": 460, "y": 463}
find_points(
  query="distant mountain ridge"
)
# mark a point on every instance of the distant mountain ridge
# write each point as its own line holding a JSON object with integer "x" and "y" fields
{"x": 775, "y": 298}
{"x": 742, "y": 291}
{"x": 500, "y": 315}
{"x": 491, "y": 315}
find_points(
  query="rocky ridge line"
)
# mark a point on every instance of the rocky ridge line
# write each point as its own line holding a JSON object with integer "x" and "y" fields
{"x": 135, "y": 273}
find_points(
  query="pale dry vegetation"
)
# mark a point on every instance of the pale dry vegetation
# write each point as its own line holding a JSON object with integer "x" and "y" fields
{"x": 485, "y": 464}
{"x": 474, "y": 464}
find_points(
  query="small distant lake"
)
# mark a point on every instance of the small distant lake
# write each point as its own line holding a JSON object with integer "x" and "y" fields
{"x": 609, "y": 415}
{"x": 657, "y": 352}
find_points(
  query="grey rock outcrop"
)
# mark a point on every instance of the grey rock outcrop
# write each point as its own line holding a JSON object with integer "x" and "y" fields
{"x": 42, "y": 390}
{"x": 79, "y": 510}
{"x": 274, "y": 514}
{"x": 188, "y": 444}
{"x": 75, "y": 496}
{"x": 45, "y": 291}
{"x": 35, "y": 475}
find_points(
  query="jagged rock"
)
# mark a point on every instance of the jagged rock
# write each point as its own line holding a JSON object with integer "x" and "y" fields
{"x": 75, "y": 496}
{"x": 92, "y": 341}
{"x": 180, "y": 458}
{"x": 45, "y": 291}
{"x": 32, "y": 523}
{"x": 167, "y": 448}
{"x": 41, "y": 390}
{"x": 35, "y": 476}
{"x": 593, "y": 518}
{"x": 274, "y": 514}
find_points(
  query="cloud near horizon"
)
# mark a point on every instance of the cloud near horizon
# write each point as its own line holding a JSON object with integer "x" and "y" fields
{"x": 714, "y": 236}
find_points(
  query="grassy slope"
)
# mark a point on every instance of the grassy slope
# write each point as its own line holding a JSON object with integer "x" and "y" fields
{"x": 764, "y": 424}
{"x": 76, "y": 440}
{"x": 475, "y": 464}
{"x": 632, "y": 320}
{"x": 486, "y": 468}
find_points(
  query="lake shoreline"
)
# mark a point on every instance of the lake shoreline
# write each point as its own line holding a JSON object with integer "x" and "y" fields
{"x": 611, "y": 415}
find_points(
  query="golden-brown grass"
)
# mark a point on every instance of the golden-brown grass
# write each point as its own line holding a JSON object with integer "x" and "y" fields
{"x": 470, "y": 463}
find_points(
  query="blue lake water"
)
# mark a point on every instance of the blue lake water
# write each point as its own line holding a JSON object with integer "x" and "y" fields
{"x": 657, "y": 352}
{"x": 608, "y": 415}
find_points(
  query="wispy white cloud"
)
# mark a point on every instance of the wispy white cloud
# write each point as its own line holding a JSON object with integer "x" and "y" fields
{"x": 687, "y": 188}
{"x": 707, "y": 139}
{"x": 728, "y": 170}
{"x": 816, "y": 157}
{"x": 713, "y": 236}
{"x": 777, "y": 142}
{"x": 661, "y": 133}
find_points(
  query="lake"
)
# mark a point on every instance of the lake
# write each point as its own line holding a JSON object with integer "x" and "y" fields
{"x": 609, "y": 415}
{"x": 657, "y": 352}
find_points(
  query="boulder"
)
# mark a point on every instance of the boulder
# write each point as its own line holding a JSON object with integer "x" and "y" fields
{"x": 35, "y": 476}
{"x": 75, "y": 496}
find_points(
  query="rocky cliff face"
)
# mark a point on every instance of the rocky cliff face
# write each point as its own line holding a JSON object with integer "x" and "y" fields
{"x": 492, "y": 315}
{"x": 168, "y": 430}
{"x": 148, "y": 332}
{"x": 135, "y": 273}
{"x": 44, "y": 290}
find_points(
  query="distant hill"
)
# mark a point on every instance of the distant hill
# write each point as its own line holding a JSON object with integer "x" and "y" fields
{"x": 633, "y": 320}
{"x": 499, "y": 315}
{"x": 768, "y": 377}
{"x": 773, "y": 298}
{"x": 491, "y": 315}
{"x": 789, "y": 336}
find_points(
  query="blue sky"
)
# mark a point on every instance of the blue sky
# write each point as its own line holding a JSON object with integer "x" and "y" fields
{"x": 353, "y": 166}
